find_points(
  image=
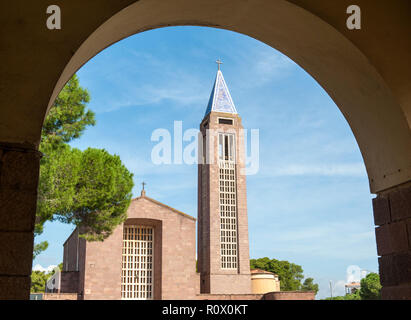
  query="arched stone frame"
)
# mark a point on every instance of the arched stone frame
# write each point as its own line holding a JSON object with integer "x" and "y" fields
{"x": 375, "y": 104}
{"x": 375, "y": 117}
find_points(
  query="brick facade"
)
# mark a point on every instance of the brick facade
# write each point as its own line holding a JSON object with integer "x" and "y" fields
{"x": 19, "y": 173}
{"x": 214, "y": 279}
{"x": 290, "y": 295}
{"x": 392, "y": 216}
{"x": 284, "y": 295}
{"x": 59, "y": 296}
{"x": 206, "y": 296}
{"x": 69, "y": 282}
{"x": 99, "y": 264}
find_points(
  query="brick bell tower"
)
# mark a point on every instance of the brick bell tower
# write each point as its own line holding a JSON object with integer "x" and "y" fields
{"x": 223, "y": 249}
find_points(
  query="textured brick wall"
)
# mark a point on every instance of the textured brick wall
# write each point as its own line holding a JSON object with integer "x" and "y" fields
{"x": 290, "y": 295}
{"x": 69, "y": 282}
{"x": 174, "y": 262}
{"x": 19, "y": 169}
{"x": 102, "y": 268}
{"x": 74, "y": 250}
{"x": 70, "y": 252}
{"x": 178, "y": 277}
{"x": 214, "y": 279}
{"x": 60, "y": 296}
{"x": 392, "y": 215}
{"x": 230, "y": 297}
{"x": 285, "y": 295}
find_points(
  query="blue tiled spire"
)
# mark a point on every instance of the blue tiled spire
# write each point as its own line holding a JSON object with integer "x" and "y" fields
{"x": 220, "y": 98}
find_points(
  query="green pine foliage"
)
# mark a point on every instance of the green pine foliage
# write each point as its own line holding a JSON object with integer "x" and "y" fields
{"x": 90, "y": 189}
{"x": 370, "y": 287}
{"x": 39, "y": 248}
{"x": 68, "y": 117}
{"x": 309, "y": 285}
{"x": 38, "y": 281}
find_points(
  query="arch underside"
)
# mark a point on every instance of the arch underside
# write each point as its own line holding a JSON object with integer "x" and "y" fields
{"x": 374, "y": 114}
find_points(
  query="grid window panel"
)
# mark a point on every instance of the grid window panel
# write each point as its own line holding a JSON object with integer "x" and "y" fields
{"x": 228, "y": 214}
{"x": 137, "y": 263}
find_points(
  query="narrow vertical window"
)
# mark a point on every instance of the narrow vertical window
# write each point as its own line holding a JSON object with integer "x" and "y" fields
{"x": 231, "y": 148}
{"x": 220, "y": 146}
{"x": 228, "y": 203}
{"x": 226, "y": 148}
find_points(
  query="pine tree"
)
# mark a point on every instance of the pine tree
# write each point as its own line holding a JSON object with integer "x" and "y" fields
{"x": 90, "y": 189}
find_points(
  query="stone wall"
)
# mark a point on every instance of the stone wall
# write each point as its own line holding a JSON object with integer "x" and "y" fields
{"x": 175, "y": 276}
{"x": 392, "y": 215}
{"x": 74, "y": 251}
{"x": 60, "y": 296}
{"x": 71, "y": 252}
{"x": 19, "y": 172}
{"x": 290, "y": 295}
{"x": 230, "y": 296}
{"x": 102, "y": 268}
{"x": 69, "y": 282}
{"x": 214, "y": 279}
{"x": 177, "y": 266}
{"x": 284, "y": 295}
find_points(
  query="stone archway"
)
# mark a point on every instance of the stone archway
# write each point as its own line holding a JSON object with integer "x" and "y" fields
{"x": 372, "y": 94}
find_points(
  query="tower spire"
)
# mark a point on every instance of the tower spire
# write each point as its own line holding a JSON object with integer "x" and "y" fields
{"x": 220, "y": 98}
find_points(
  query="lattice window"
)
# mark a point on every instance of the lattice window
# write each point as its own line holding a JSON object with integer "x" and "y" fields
{"x": 137, "y": 263}
{"x": 228, "y": 203}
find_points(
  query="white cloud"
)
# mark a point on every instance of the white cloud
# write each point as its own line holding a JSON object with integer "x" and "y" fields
{"x": 48, "y": 269}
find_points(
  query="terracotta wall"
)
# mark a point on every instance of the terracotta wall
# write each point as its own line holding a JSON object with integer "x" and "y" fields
{"x": 60, "y": 296}
{"x": 174, "y": 262}
{"x": 290, "y": 295}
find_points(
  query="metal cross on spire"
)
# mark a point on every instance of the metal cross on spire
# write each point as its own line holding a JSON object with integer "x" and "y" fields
{"x": 219, "y": 62}
{"x": 144, "y": 184}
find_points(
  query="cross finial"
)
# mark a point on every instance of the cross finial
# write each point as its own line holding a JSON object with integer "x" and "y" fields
{"x": 219, "y": 62}
{"x": 144, "y": 184}
{"x": 143, "y": 191}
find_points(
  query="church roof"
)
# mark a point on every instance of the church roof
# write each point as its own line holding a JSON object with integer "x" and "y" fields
{"x": 165, "y": 206}
{"x": 220, "y": 98}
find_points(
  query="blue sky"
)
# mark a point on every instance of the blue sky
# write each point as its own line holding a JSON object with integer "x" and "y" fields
{"x": 310, "y": 201}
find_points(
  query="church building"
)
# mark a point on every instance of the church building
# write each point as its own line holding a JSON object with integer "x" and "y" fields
{"x": 152, "y": 255}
